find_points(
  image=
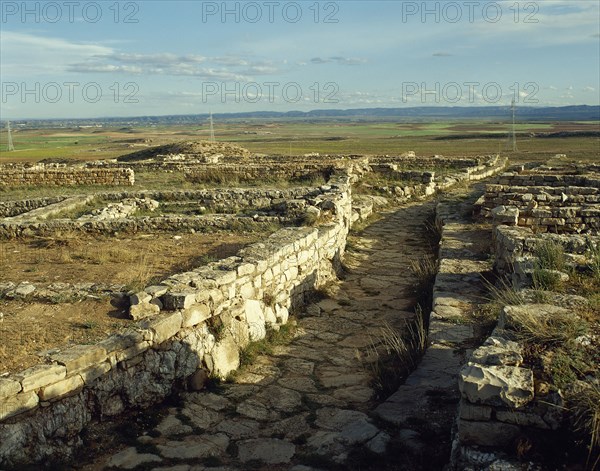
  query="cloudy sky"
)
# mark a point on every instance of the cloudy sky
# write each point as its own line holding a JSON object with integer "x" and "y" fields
{"x": 107, "y": 58}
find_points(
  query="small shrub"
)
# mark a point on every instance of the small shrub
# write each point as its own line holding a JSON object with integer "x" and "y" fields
{"x": 216, "y": 328}
{"x": 585, "y": 406}
{"x": 265, "y": 346}
{"x": 269, "y": 299}
{"x": 545, "y": 279}
{"x": 550, "y": 255}
{"x": 594, "y": 256}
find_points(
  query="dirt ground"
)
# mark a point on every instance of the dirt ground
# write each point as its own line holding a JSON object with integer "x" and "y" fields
{"x": 28, "y": 329}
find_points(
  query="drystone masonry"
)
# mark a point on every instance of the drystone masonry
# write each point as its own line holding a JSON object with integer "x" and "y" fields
{"x": 64, "y": 176}
{"x": 515, "y": 249}
{"x": 193, "y": 321}
{"x": 14, "y": 208}
{"x": 499, "y": 403}
{"x": 251, "y": 172}
{"x": 259, "y": 206}
{"x": 545, "y": 202}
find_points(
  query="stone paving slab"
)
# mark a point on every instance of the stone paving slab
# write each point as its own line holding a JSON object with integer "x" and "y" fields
{"x": 315, "y": 394}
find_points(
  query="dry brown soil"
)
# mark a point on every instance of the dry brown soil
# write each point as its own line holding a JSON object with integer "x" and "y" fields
{"x": 31, "y": 328}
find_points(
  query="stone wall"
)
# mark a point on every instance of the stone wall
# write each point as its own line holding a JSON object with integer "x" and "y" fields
{"x": 428, "y": 163}
{"x": 515, "y": 247}
{"x": 499, "y": 404}
{"x": 547, "y": 202}
{"x": 44, "y": 212}
{"x": 282, "y": 206}
{"x": 206, "y": 223}
{"x": 544, "y": 178}
{"x": 193, "y": 321}
{"x": 14, "y": 208}
{"x": 252, "y": 172}
{"x": 64, "y": 176}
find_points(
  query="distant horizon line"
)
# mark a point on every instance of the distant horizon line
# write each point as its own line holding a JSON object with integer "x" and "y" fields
{"x": 316, "y": 110}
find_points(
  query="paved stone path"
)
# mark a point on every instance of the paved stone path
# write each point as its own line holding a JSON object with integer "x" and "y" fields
{"x": 308, "y": 406}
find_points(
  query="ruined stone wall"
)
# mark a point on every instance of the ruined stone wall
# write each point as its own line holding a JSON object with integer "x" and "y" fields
{"x": 268, "y": 206}
{"x": 227, "y": 197}
{"x": 545, "y": 202}
{"x": 261, "y": 172}
{"x": 427, "y": 163}
{"x": 197, "y": 320}
{"x": 515, "y": 247}
{"x": 64, "y": 176}
{"x": 14, "y": 208}
{"x": 499, "y": 403}
{"x": 206, "y": 223}
{"x": 548, "y": 179}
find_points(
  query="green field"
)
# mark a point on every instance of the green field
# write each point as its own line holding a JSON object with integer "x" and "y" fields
{"x": 293, "y": 137}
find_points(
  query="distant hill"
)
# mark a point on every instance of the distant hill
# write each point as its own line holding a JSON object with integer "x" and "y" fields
{"x": 420, "y": 113}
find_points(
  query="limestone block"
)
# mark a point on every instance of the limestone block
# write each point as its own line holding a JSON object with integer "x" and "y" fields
{"x": 498, "y": 351}
{"x": 165, "y": 326}
{"x": 247, "y": 291}
{"x": 472, "y": 412}
{"x": 246, "y": 269}
{"x": 41, "y": 375}
{"x": 121, "y": 341}
{"x": 225, "y": 277}
{"x": 178, "y": 300}
{"x": 223, "y": 358}
{"x": 142, "y": 310}
{"x": 156, "y": 290}
{"x": 62, "y": 388}
{"x": 527, "y": 419}
{"x": 492, "y": 434}
{"x": 195, "y": 314}
{"x": 18, "y": 404}
{"x": 496, "y": 385}
{"x": 505, "y": 215}
{"x": 255, "y": 318}
{"x": 9, "y": 387}
{"x": 133, "y": 351}
{"x": 282, "y": 314}
{"x": 139, "y": 298}
{"x": 80, "y": 356}
{"x": 94, "y": 372}
{"x": 270, "y": 317}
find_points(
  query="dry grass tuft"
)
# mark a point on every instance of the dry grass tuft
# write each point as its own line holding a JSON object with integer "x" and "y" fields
{"x": 548, "y": 329}
{"x": 141, "y": 274}
{"x": 395, "y": 354}
{"x": 425, "y": 269}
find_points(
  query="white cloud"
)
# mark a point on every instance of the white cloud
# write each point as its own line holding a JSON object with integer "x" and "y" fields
{"x": 41, "y": 55}
{"x": 338, "y": 60}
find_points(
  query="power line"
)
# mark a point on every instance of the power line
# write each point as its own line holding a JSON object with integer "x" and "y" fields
{"x": 10, "y": 141}
{"x": 212, "y": 130}
{"x": 512, "y": 136}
